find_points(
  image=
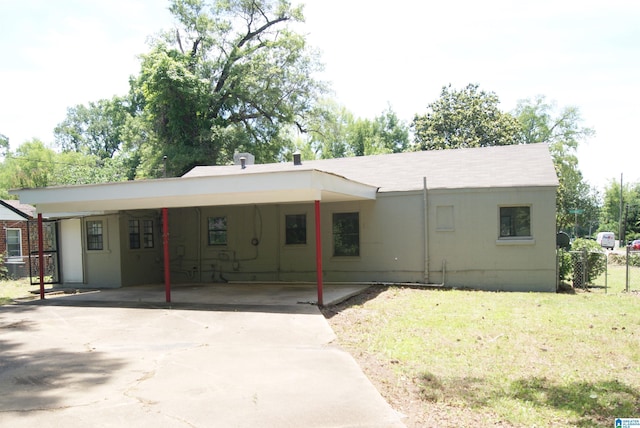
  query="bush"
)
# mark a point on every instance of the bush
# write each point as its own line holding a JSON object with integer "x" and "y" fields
{"x": 4, "y": 272}
{"x": 596, "y": 263}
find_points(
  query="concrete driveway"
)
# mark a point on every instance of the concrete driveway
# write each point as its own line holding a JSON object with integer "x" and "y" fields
{"x": 114, "y": 358}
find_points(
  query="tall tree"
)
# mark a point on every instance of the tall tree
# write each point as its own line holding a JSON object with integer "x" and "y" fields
{"x": 465, "y": 118}
{"x": 334, "y": 132}
{"x": 4, "y": 145}
{"x": 610, "y": 213}
{"x": 229, "y": 78}
{"x": 562, "y": 129}
{"x": 96, "y": 129}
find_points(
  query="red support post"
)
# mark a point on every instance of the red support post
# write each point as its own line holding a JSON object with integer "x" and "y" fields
{"x": 41, "y": 255}
{"x": 167, "y": 260}
{"x": 318, "y": 254}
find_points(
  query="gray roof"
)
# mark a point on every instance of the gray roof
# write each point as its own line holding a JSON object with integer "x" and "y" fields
{"x": 528, "y": 165}
{"x": 24, "y": 210}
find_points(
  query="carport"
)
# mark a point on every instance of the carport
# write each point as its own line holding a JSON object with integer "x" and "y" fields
{"x": 232, "y": 185}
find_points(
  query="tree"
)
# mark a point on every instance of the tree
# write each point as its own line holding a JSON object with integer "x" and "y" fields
{"x": 229, "y": 79}
{"x": 4, "y": 145}
{"x": 96, "y": 129}
{"x": 562, "y": 130}
{"x": 610, "y": 213}
{"x": 335, "y": 133}
{"x": 466, "y": 118}
{"x": 30, "y": 166}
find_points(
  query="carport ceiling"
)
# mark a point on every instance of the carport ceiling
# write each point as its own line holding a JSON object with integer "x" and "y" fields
{"x": 231, "y": 189}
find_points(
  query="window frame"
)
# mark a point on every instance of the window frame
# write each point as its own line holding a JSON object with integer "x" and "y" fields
{"x": 213, "y": 230}
{"x": 135, "y": 234}
{"x": 339, "y": 237}
{"x": 300, "y": 229}
{"x": 147, "y": 234}
{"x": 513, "y": 224}
{"x": 19, "y": 243}
{"x": 89, "y": 235}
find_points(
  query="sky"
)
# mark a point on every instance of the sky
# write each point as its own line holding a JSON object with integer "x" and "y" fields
{"x": 400, "y": 53}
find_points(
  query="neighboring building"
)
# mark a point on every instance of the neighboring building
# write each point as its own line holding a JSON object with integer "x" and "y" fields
{"x": 480, "y": 218}
{"x": 14, "y": 236}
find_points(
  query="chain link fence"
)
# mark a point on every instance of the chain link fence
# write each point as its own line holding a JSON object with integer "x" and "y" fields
{"x": 584, "y": 270}
{"x": 632, "y": 279}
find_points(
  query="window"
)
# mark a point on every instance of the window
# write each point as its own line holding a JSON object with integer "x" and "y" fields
{"x": 444, "y": 218}
{"x": 217, "y": 231}
{"x": 147, "y": 230}
{"x": 14, "y": 243}
{"x": 295, "y": 229}
{"x": 136, "y": 237}
{"x": 94, "y": 235}
{"x": 134, "y": 234}
{"x": 515, "y": 222}
{"x": 346, "y": 234}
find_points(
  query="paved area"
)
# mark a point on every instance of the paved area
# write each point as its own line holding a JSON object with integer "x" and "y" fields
{"x": 217, "y": 356}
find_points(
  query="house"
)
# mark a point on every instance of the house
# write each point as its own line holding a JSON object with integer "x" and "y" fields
{"x": 481, "y": 218}
{"x": 14, "y": 236}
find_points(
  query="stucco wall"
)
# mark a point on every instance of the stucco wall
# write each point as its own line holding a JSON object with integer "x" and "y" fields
{"x": 471, "y": 250}
{"x": 463, "y": 237}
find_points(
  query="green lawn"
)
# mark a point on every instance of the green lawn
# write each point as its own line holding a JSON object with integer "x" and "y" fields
{"x": 12, "y": 290}
{"x": 507, "y": 359}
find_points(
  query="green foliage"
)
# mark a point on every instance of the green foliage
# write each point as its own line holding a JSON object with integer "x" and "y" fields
{"x": 335, "y": 133}
{"x": 96, "y": 129}
{"x": 465, "y": 118}
{"x": 542, "y": 123}
{"x": 4, "y": 145}
{"x": 610, "y": 213}
{"x": 229, "y": 79}
{"x": 596, "y": 263}
{"x": 4, "y": 272}
{"x": 35, "y": 165}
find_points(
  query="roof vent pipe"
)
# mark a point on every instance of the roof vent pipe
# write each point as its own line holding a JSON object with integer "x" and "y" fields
{"x": 243, "y": 162}
{"x": 296, "y": 158}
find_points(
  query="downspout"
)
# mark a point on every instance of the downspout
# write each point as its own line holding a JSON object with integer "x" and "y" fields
{"x": 426, "y": 229}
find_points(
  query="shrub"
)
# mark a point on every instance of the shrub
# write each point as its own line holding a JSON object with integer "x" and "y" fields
{"x": 4, "y": 272}
{"x": 596, "y": 263}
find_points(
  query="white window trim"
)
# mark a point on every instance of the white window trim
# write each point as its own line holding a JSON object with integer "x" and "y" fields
{"x": 14, "y": 258}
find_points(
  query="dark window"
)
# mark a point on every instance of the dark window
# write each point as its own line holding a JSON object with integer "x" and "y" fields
{"x": 134, "y": 234}
{"x": 346, "y": 234}
{"x": 94, "y": 235}
{"x": 217, "y": 231}
{"x": 147, "y": 229}
{"x": 296, "y": 229}
{"x": 515, "y": 222}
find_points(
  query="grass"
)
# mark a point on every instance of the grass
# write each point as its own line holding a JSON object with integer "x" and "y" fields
{"x": 510, "y": 359}
{"x": 15, "y": 290}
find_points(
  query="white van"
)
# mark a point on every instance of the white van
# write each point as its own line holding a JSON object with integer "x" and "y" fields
{"x": 606, "y": 240}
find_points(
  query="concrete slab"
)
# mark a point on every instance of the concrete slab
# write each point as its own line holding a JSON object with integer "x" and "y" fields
{"x": 76, "y": 363}
{"x": 261, "y": 294}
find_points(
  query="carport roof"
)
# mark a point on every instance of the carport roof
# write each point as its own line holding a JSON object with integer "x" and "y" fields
{"x": 304, "y": 184}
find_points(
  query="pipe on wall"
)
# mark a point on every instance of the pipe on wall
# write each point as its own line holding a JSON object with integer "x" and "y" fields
{"x": 426, "y": 229}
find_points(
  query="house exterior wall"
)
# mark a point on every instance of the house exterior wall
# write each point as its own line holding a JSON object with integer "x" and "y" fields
{"x": 17, "y": 267}
{"x": 462, "y": 228}
{"x": 103, "y": 266}
{"x": 470, "y": 247}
